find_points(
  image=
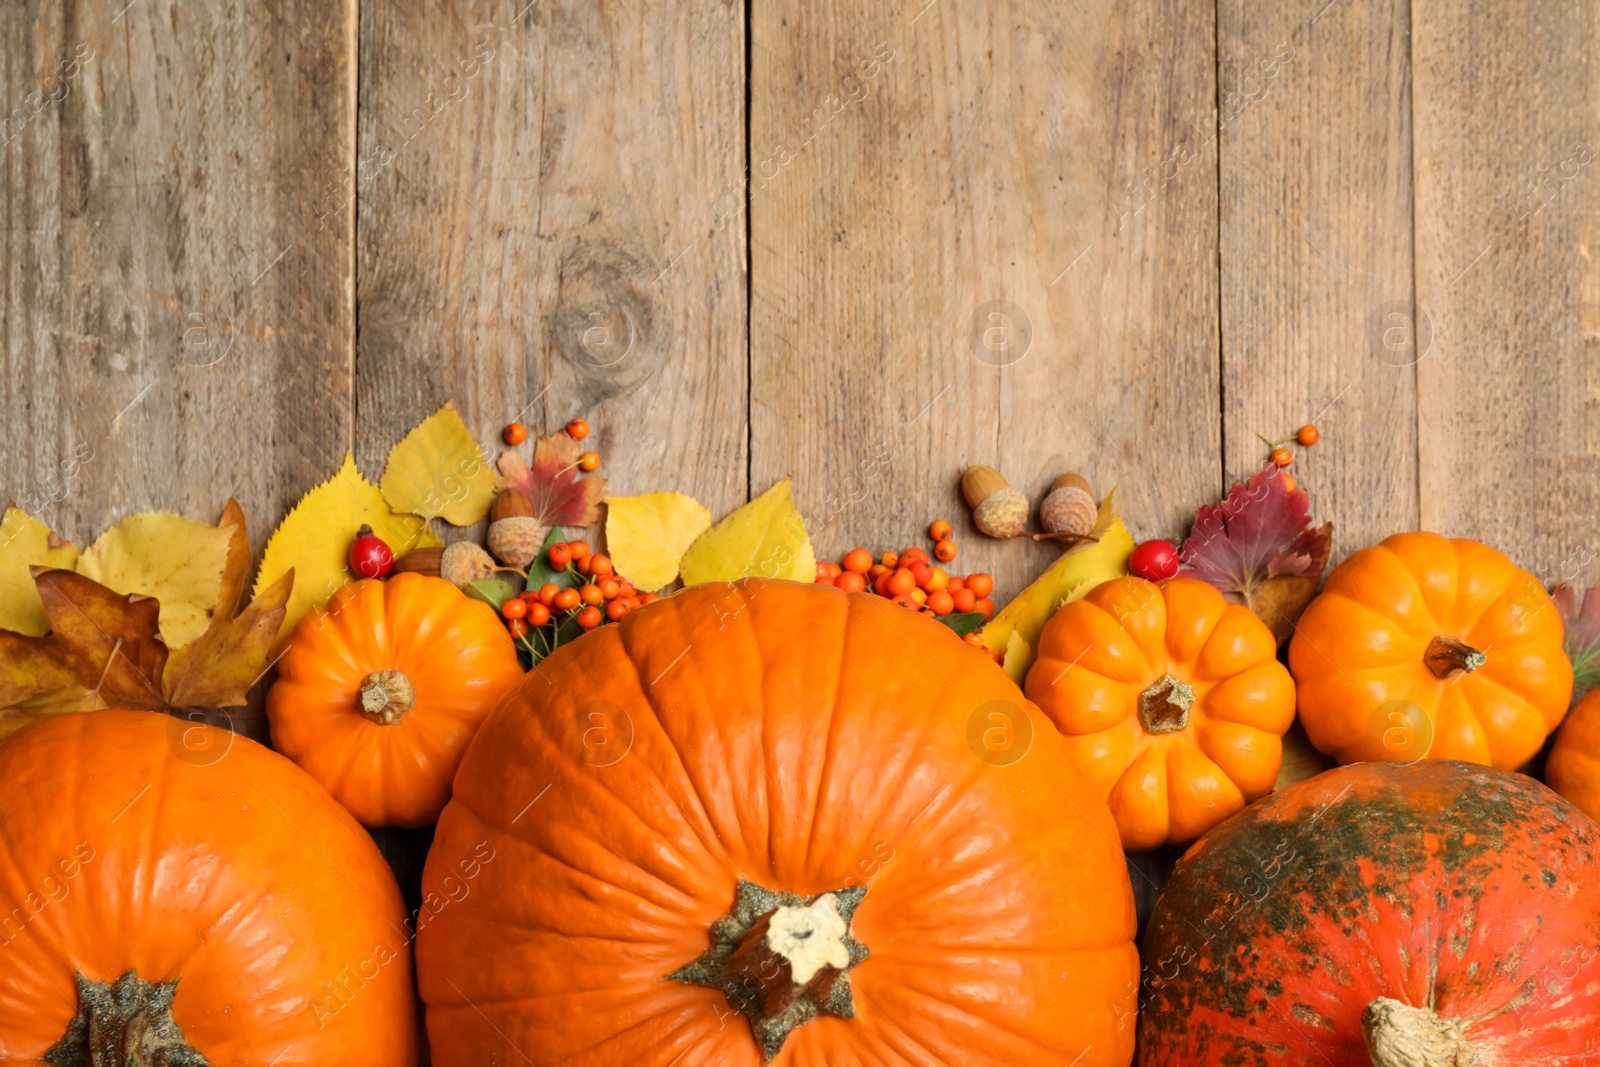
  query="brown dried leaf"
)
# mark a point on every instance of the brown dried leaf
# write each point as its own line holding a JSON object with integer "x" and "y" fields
{"x": 218, "y": 670}
{"x": 1280, "y": 600}
{"x": 28, "y": 665}
{"x": 111, "y": 643}
{"x": 237, "y": 567}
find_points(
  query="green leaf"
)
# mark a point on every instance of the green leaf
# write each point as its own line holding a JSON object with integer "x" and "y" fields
{"x": 539, "y": 572}
{"x": 492, "y": 591}
{"x": 962, "y": 622}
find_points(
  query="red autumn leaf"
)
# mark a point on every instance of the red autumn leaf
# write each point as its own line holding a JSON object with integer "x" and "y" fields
{"x": 1259, "y": 548}
{"x": 1583, "y": 635}
{"x": 559, "y": 496}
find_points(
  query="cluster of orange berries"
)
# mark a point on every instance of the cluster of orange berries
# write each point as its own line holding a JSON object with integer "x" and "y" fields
{"x": 515, "y": 433}
{"x": 1280, "y": 455}
{"x": 913, "y": 580}
{"x": 604, "y": 596}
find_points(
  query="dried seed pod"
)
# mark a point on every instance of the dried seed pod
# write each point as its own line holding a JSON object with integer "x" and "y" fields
{"x": 997, "y": 508}
{"x": 1069, "y": 508}
{"x": 463, "y": 563}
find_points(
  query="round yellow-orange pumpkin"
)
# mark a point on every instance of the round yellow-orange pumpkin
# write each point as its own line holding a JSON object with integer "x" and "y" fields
{"x": 185, "y": 896}
{"x": 774, "y": 807}
{"x": 1173, "y": 702}
{"x": 1429, "y": 647}
{"x": 1573, "y": 769}
{"x": 379, "y": 693}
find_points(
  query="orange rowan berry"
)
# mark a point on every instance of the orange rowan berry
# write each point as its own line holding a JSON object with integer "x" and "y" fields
{"x": 578, "y": 429}
{"x": 590, "y": 593}
{"x": 1307, "y": 435}
{"x": 851, "y": 582}
{"x": 944, "y": 551}
{"x": 589, "y": 461}
{"x": 984, "y": 605}
{"x": 547, "y": 593}
{"x": 1282, "y": 457}
{"x": 560, "y": 555}
{"x": 518, "y": 628}
{"x": 858, "y": 560}
{"x": 515, "y": 608}
{"x": 901, "y": 582}
{"x": 515, "y": 433}
{"x": 939, "y": 530}
{"x": 890, "y": 558}
{"x": 941, "y": 602}
{"x": 567, "y": 599}
{"x": 600, "y": 565}
{"x": 964, "y": 600}
{"x": 589, "y": 617}
{"x": 579, "y": 549}
{"x": 980, "y": 584}
{"x": 538, "y": 614}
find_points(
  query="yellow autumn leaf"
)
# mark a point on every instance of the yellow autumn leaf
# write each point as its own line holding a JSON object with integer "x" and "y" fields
{"x": 178, "y": 561}
{"x": 314, "y": 539}
{"x": 1014, "y": 632}
{"x": 66, "y": 700}
{"x": 25, "y": 541}
{"x": 438, "y": 471}
{"x": 766, "y": 538}
{"x": 647, "y": 535}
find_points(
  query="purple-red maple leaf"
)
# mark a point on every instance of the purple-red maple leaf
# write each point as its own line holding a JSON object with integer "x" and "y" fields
{"x": 1261, "y": 531}
{"x": 1583, "y": 635}
{"x": 558, "y": 495}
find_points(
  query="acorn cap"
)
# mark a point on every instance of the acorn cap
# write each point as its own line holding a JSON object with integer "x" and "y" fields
{"x": 979, "y": 483}
{"x": 1073, "y": 480}
{"x": 510, "y": 504}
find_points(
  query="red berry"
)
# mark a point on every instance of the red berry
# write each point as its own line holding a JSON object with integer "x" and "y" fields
{"x": 578, "y": 429}
{"x": 941, "y": 602}
{"x": 921, "y": 572}
{"x": 560, "y": 555}
{"x": 972, "y": 638}
{"x": 911, "y": 555}
{"x": 579, "y": 549}
{"x": 649, "y": 598}
{"x": 616, "y": 610}
{"x": 567, "y": 599}
{"x": 518, "y": 628}
{"x": 1155, "y": 561}
{"x": 980, "y": 584}
{"x": 589, "y": 461}
{"x": 1307, "y": 435}
{"x": 944, "y": 551}
{"x": 1282, "y": 457}
{"x": 515, "y": 608}
{"x": 984, "y": 605}
{"x": 589, "y": 617}
{"x": 956, "y": 585}
{"x": 370, "y": 557}
{"x": 964, "y": 599}
{"x": 547, "y": 593}
{"x": 901, "y": 582}
{"x": 538, "y": 614}
{"x": 515, "y": 433}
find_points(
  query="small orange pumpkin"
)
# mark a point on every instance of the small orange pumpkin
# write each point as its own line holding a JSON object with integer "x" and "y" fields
{"x": 1573, "y": 769}
{"x": 1173, "y": 702}
{"x": 380, "y": 692}
{"x": 1430, "y": 647}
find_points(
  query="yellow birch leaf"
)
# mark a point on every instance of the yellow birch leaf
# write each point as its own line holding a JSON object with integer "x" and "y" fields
{"x": 1014, "y": 632}
{"x": 437, "y": 471}
{"x": 24, "y": 542}
{"x": 66, "y": 700}
{"x": 766, "y": 538}
{"x": 647, "y": 535}
{"x": 178, "y": 561}
{"x": 314, "y": 540}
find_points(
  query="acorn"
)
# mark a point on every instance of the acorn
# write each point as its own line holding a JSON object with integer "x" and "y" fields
{"x": 460, "y": 564}
{"x": 515, "y": 536}
{"x": 1069, "y": 509}
{"x": 997, "y": 508}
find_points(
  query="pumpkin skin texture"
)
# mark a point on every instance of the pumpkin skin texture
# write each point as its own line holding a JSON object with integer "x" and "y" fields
{"x": 1361, "y": 656}
{"x": 392, "y": 764}
{"x": 1104, "y": 675}
{"x": 798, "y": 739}
{"x": 1435, "y": 887}
{"x": 1573, "y": 767}
{"x": 135, "y": 841}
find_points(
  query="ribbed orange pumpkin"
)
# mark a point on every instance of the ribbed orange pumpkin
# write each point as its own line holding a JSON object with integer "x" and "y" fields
{"x": 177, "y": 892}
{"x": 1573, "y": 769}
{"x": 769, "y": 799}
{"x": 1424, "y": 646}
{"x": 1173, "y": 702}
{"x": 379, "y": 693}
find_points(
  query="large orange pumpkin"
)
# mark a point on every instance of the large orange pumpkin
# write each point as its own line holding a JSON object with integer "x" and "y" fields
{"x": 1424, "y": 646}
{"x": 1173, "y": 702}
{"x": 174, "y": 894}
{"x": 1573, "y": 768}
{"x": 379, "y": 693}
{"x": 1433, "y": 914}
{"x": 770, "y": 821}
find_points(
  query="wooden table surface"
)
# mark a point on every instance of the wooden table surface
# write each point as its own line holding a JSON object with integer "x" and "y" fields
{"x": 861, "y": 244}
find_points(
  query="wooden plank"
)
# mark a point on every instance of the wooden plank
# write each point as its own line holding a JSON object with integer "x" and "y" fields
{"x": 177, "y": 324}
{"x": 1316, "y": 255}
{"x": 1508, "y": 216}
{"x": 957, "y": 258}
{"x": 536, "y": 234}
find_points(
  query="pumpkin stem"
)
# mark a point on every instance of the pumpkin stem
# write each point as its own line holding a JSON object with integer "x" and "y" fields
{"x": 1445, "y": 656}
{"x": 126, "y": 1023}
{"x": 782, "y": 960}
{"x": 1399, "y": 1035}
{"x": 1164, "y": 707}
{"x": 386, "y": 696}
